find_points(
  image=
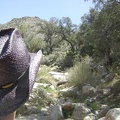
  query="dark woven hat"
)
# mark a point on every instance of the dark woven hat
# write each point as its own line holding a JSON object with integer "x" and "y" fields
{"x": 18, "y": 70}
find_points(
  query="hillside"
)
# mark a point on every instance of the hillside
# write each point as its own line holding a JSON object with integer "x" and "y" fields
{"x": 17, "y": 22}
{"x": 29, "y": 28}
{"x": 29, "y": 25}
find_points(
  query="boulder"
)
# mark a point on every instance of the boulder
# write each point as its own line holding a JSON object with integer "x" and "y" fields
{"x": 56, "y": 113}
{"x": 68, "y": 106}
{"x": 89, "y": 90}
{"x": 106, "y": 91}
{"x": 103, "y": 118}
{"x": 109, "y": 77}
{"x": 62, "y": 82}
{"x": 58, "y": 76}
{"x": 52, "y": 87}
{"x": 102, "y": 69}
{"x": 70, "y": 92}
{"x": 39, "y": 116}
{"x": 90, "y": 116}
{"x": 113, "y": 114}
{"x": 103, "y": 112}
{"x": 80, "y": 111}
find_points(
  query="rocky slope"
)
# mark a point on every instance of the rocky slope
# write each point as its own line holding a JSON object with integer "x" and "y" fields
{"x": 70, "y": 103}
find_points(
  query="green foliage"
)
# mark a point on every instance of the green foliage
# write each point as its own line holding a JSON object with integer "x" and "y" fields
{"x": 67, "y": 114}
{"x": 80, "y": 74}
{"x": 93, "y": 106}
{"x": 44, "y": 75}
{"x": 50, "y": 59}
{"x": 45, "y": 78}
{"x": 49, "y": 30}
{"x": 65, "y": 61}
{"x": 61, "y": 59}
{"x": 67, "y": 32}
{"x": 86, "y": 33}
{"x": 33, "y": 41}
{"x": 28, "y": 28}
{"x": 100, "y": 34}
{"x": 106, "y": 34}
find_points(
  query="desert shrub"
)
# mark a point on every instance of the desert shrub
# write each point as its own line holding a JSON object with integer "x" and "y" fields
{"x": 93, "y": 106}
{"x": 44, "y": 76}
{"x": 50, "y": 59}
{"x": 81, "y": 73}
{"x": 61, "y": 59}
{"x": 65, "y": 60}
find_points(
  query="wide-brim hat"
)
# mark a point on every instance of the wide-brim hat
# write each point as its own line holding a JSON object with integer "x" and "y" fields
{"x": 18, "y": 70}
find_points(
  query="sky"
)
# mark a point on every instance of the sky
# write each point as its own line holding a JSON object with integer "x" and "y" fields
{"x": 44, "y": 9}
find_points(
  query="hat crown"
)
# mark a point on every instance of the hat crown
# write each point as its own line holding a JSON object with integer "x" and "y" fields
{"x": 14, "y": 57}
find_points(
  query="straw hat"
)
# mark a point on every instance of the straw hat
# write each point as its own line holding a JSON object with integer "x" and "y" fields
{"x": 18, "y": 70}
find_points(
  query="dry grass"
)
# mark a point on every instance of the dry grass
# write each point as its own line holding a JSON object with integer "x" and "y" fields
{"x": 44, "y": 76}
{"x": 80, "y": 73}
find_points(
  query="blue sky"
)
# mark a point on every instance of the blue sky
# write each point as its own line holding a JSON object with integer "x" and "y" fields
{"x": 45, "y": 9}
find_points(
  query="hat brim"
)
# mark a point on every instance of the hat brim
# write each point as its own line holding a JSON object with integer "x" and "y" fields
{"x": 12, "y": 98}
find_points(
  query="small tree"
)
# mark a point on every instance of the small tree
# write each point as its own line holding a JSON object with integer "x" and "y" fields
{"x": 67, "y": 32}
{"x": 49, "y": 29}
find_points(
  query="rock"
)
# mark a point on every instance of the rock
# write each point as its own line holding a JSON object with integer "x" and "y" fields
{"x": 62, "y": 82}
{"x": 90, "y": 116}
{"x": 61, "y": 101}
{"x": 33, "y": 117}
{"x": 52, "y": 87}
{"x": 80, "y": 111}
{"x": 109, "y": 77}
{"x": 36, "y": 85}
{"x": 102, "y": 80}
{"x": 58, "y": 76}
{"x": 56, "y": 113}
{"x": 69, "y": 100}
{"x": 56, "y": 73}
{"x": 102, "y": 69}
{"x": 69, "y": 92}
{"x": 104, "y": 75}
{"x": 27, "y": 109}
{"x": 103, "y": 118}
{"x": 68, "y": 106}
{"x": 45, "y": 111}
{"x": 106, "y": 91}
{"x": 113, "y": 114}
{"x": 103, "y": 112}
{"x": 89, "y": 90}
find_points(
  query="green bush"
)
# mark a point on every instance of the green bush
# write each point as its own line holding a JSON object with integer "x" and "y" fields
{"x": 64, "y": 60}
{"x": 44, "y": 76}
{"x": 80, "y": 74}
{"x": 61, "y": 59}
{"x": 49, "y": 60}
{"x": 93, "y": 106}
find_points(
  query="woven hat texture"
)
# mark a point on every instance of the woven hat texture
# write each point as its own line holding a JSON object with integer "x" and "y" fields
{"x": 18, "y": 70}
